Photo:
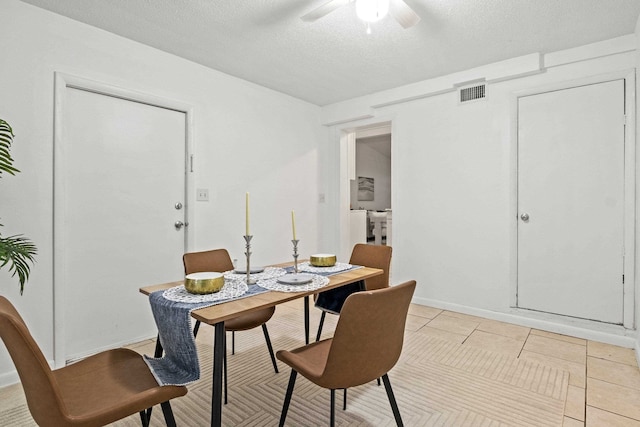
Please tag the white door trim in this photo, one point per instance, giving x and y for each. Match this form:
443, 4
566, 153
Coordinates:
370, 127
62, 82
629, 191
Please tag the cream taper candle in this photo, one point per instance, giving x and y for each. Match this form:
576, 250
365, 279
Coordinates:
247, 214
293, 224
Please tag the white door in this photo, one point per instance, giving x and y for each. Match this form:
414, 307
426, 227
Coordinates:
571, 176
123, 189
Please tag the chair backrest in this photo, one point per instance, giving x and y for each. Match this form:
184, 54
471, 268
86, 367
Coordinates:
369, 335
374, 256
217, 260
38, 381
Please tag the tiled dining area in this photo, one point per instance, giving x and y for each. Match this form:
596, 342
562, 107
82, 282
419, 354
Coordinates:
603, 386
604, 380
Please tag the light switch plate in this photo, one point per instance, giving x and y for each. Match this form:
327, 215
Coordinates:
202, 195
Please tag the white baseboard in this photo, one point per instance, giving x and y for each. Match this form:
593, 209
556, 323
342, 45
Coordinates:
590, 330
9, 378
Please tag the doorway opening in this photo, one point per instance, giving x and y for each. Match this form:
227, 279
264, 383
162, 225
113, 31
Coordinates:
369, 184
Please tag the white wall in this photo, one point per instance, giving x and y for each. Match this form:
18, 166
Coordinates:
247, 138
637, 302
453, 190
372, 164
454, 239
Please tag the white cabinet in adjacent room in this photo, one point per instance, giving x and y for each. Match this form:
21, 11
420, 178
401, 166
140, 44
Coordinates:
358, 226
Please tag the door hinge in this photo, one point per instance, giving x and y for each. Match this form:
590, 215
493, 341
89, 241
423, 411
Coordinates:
191, 163
623, 279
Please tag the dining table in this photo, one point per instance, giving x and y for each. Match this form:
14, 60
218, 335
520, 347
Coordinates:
216, 315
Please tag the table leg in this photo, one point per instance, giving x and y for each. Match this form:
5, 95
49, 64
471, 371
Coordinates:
219, 348
158, 351
157, 354
306, 319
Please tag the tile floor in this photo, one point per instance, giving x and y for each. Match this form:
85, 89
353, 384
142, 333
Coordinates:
604, 381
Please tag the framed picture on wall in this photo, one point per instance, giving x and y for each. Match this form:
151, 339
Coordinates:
365, 188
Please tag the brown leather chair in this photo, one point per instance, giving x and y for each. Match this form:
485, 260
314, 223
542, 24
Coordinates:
96, 391
374, 256
366, 344
218, 260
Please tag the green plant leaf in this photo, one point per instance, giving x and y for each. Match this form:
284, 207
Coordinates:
17, 252
6, 138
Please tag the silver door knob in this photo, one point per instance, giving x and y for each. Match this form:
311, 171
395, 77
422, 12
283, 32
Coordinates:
179, 225
524, 217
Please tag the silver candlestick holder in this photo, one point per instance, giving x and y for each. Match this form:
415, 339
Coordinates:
295, 255
247, 239
297, 278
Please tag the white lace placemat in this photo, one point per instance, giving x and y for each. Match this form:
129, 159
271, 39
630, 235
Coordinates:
268, 273
338, 267
231, 289
317, 282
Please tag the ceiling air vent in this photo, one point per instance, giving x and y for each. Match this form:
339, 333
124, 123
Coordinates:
472, 93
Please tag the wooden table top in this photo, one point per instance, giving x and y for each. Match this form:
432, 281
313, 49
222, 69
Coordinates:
228, 310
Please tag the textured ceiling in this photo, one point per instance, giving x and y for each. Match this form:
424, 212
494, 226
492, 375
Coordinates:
333, 59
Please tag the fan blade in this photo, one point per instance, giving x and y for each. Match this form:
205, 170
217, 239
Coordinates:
325, 9
403, 14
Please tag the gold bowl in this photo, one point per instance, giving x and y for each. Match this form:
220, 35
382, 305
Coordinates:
203, 283
323, 260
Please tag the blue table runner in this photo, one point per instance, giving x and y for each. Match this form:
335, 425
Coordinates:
180, 365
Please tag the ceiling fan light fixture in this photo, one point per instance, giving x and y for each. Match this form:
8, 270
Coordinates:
372, 10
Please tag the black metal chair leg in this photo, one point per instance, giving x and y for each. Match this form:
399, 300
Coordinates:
392, 400
322, 316
344, 400
378, 382
287, 397
148, 414
270, 347
233, 342
332, 417
168, 414
144, 419
196, 327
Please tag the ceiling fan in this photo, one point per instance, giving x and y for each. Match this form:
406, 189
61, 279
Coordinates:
369, 11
